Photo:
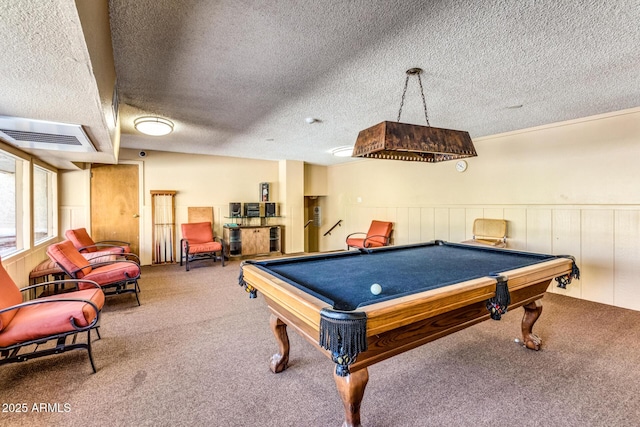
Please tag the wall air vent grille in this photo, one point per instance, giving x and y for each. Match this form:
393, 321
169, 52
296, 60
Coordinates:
43, 138
43, 135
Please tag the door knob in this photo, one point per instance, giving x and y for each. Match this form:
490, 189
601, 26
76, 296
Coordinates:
136, 216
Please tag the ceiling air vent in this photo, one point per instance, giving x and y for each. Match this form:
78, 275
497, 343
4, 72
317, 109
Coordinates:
43, 135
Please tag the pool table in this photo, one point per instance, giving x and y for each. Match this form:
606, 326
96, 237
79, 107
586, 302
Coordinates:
429, 290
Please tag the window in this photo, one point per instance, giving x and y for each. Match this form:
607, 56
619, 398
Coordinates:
17, 191
8, 204
43, 204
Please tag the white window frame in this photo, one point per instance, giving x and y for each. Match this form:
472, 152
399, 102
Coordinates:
24, 202
51, 179
21, 207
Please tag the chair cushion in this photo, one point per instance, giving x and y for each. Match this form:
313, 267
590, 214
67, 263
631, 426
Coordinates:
353, 241
43, 320
68, 257
199, 248
84, 243
10, 295
372, 243
45, 268
100, 256
115, 250
492, 228
486, 242
197, 232
80, 238
379, 231
112, 273
359, 243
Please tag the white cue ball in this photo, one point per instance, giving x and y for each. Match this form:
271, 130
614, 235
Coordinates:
376, 289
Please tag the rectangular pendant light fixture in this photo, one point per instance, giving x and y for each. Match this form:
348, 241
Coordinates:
403, 141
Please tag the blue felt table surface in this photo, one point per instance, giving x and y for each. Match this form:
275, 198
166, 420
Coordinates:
344, 279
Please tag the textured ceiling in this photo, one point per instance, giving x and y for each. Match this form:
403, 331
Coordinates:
239, 78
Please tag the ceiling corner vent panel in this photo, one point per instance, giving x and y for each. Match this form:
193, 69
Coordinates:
43, 135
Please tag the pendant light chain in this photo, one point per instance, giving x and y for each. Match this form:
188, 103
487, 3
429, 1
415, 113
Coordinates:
404, 92
410, 72
424, 101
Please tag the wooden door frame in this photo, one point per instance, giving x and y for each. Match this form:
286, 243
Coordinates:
141, 207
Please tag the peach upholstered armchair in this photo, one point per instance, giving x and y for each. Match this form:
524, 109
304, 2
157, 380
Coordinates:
27, 327
115, 277
379, 234
92, 250
198, 243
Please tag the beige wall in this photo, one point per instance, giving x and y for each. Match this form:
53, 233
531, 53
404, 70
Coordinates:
570, 188
201, 181
315, 180
291, 182
198, 179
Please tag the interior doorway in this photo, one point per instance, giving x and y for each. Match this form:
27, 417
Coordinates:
312, 223
115, 205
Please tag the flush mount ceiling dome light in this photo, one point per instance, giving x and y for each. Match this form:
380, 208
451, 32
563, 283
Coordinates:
154, 126
346, 151
402, 141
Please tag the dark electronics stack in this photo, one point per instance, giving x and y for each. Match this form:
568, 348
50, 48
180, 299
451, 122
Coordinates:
254, 210
271, 209
235, 209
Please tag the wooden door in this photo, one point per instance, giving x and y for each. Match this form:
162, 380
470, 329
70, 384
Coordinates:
115, 205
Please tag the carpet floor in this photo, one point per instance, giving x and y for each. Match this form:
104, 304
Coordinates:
196, 353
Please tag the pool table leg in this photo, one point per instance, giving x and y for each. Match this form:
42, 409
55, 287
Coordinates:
351, 390
531, 313
279, 360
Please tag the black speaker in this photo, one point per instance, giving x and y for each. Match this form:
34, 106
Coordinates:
271, 209
235, 209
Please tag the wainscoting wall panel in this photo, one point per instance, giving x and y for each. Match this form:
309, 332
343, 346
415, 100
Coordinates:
457, 224
598, 261
470, 216
566, 240
442, 224
427, 224
516, 227
539, 230
626, 292
605, 240
415, 223
400, 216
19, 265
